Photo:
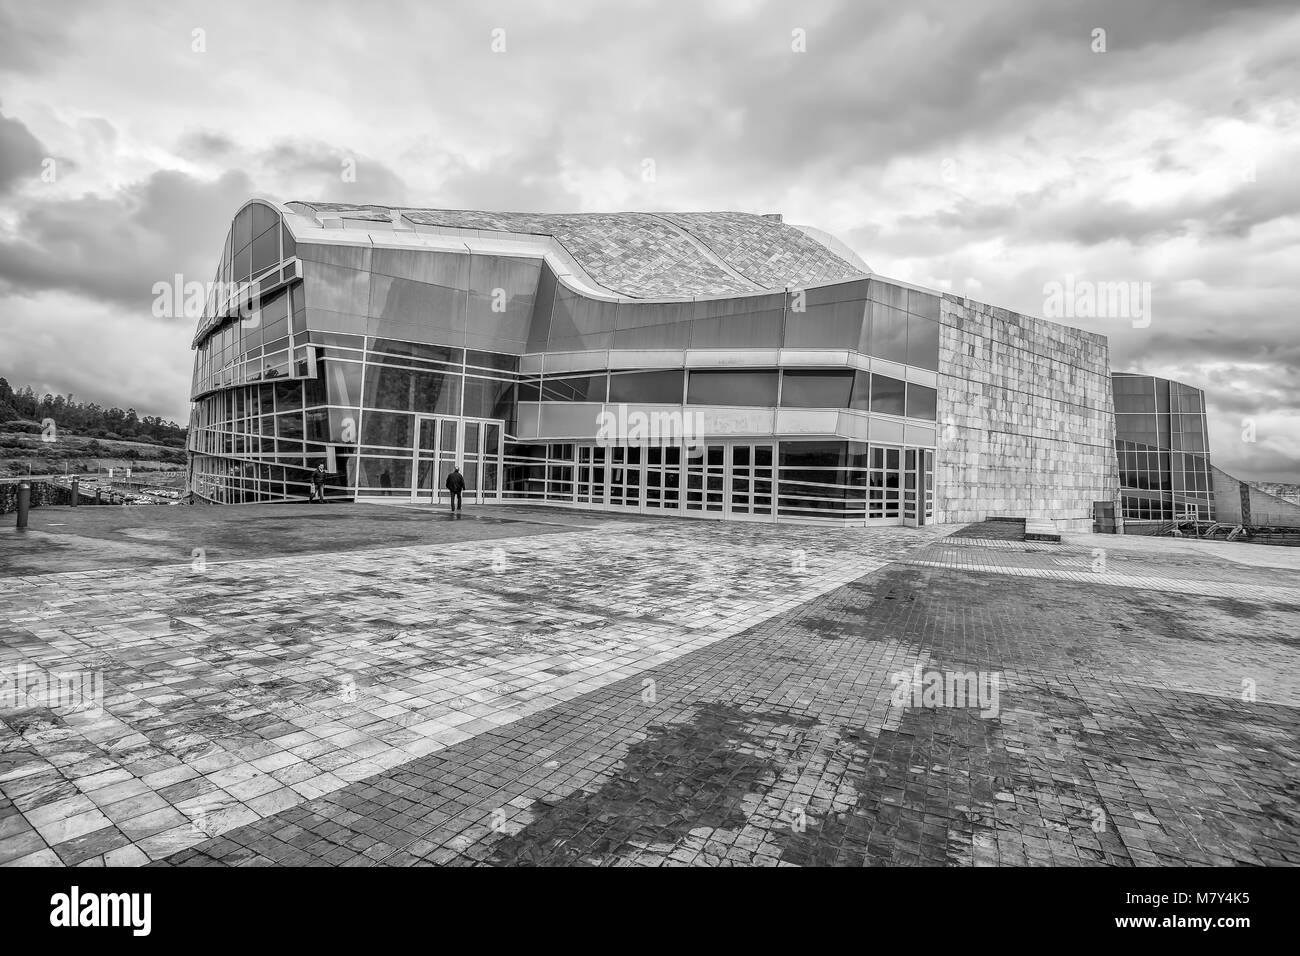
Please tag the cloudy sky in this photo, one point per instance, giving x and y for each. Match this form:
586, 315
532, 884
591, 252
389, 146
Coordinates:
984, 148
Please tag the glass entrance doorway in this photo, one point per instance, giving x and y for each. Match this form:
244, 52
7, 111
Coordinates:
706, 473
751, 482
918, 486
441, 444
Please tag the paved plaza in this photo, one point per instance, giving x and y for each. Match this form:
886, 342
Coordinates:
361, 685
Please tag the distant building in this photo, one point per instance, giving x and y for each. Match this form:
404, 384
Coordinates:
711, 365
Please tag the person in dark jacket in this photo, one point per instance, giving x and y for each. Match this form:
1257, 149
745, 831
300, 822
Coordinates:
455, 484
318, 484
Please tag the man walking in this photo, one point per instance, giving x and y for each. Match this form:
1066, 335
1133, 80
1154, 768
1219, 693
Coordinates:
455, 484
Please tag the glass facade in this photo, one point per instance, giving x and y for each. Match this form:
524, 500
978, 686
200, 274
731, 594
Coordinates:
743, 479
392, 366
1161, 440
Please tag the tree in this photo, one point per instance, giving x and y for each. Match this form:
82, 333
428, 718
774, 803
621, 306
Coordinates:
86, 418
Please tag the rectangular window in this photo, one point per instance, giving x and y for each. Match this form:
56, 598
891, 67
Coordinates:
288, 396
888, 395
650, 388
580, 388
921, 402
423, 353
266, 250
732, 387
387, 429
922, 343
492, 360
816, 388
813, 454
888, 333
834, 326
243, 264
1137, 428
861, 391
404, 389
488, 398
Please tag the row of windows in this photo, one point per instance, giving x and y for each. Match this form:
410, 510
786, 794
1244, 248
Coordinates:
1130, 422
798, 480
904, 329
822, 456
1145, 467
1164, 481
227, 482
1158, 507
251, 401
270, 344
390, 388
788, 388
1143, 393
842, 480
1179, 432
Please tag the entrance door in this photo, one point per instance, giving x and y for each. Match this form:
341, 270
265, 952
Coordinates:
927, 488
489, 480
884, 486
706, 467
589, 487
910, 489
625, 473
424, 476
437, 451
663, 466
750, 482
442, 444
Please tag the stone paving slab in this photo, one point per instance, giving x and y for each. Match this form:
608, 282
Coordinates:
661, 693
1124, 566
234, 691
1115, 743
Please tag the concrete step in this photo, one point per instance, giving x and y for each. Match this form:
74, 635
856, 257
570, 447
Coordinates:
1037, 529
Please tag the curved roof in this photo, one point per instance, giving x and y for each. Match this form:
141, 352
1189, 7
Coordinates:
650, 255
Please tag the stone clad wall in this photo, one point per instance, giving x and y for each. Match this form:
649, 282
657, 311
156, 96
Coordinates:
1026, 420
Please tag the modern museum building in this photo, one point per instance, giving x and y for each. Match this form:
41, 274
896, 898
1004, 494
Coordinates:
712, 365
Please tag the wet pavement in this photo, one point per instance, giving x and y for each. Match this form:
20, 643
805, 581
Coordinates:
664, 692
136, 536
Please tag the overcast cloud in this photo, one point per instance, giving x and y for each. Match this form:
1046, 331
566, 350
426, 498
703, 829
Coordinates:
982, 148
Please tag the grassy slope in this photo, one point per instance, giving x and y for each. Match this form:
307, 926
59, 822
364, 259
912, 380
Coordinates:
83, 454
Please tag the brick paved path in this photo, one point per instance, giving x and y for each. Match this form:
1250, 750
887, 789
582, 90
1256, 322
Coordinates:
1122, 738
660, 693
235, 691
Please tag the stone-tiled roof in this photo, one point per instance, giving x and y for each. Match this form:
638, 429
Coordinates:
766, 251
652, 255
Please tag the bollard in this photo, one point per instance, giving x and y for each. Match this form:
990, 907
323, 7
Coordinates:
75, 493
99, 497
24, 501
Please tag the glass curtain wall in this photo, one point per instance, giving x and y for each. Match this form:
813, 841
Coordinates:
1163, 449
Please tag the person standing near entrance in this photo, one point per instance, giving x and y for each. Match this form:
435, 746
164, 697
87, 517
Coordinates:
318, 484
456, 485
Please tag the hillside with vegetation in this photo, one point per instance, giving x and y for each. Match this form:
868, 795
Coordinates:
53, 434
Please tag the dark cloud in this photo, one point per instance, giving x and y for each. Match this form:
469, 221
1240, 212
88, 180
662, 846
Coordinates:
20, 154
1069, 161
116, 248
883, 79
